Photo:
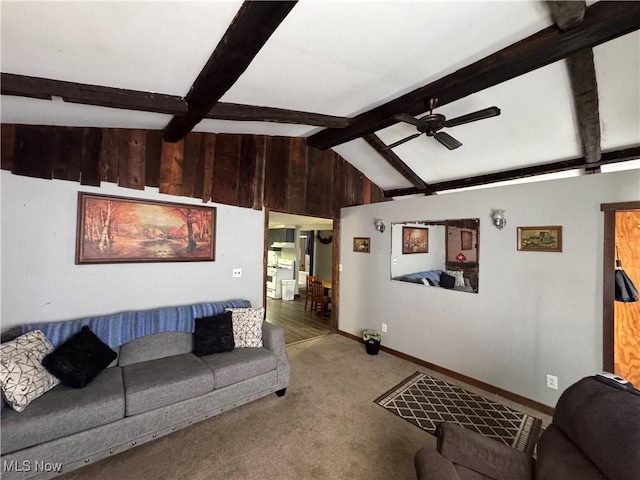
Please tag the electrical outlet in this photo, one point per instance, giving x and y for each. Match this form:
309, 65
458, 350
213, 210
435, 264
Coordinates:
340, 267
384, 328
552, 382
237, 272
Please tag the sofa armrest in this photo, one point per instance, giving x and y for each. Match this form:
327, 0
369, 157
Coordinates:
482, 454
430, 465
273, 340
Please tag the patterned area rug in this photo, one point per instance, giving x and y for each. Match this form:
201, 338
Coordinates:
426, 401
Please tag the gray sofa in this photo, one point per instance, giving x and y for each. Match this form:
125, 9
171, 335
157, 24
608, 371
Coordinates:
155, 386
595, 435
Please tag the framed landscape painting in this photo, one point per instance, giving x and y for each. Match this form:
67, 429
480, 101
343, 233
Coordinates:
415, 240
119, 230
362, 244
540, 239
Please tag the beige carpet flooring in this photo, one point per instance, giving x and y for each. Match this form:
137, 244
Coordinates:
325, 427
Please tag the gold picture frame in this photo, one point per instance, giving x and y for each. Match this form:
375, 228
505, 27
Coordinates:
123, 230
540, 239
362, 244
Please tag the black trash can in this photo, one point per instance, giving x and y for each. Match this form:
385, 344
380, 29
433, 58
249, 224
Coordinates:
373, 346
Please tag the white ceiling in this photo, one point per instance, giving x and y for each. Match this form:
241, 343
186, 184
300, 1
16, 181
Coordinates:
332, 57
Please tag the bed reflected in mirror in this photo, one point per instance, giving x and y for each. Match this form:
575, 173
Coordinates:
436, 253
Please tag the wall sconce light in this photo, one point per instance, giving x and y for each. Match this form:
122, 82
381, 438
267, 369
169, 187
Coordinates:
498, 219
380, 225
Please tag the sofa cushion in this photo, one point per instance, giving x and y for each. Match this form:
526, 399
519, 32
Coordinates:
63, 411
154, 384
559, 457
240, 364
152, 347
22, 376
602, 422
213, 335
80, 359
247, 326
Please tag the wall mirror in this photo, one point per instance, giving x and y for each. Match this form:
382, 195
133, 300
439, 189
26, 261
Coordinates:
436, 253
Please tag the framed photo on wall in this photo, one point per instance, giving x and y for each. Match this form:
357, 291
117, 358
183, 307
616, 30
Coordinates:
415, 240
121, 230
362, 244
540, 239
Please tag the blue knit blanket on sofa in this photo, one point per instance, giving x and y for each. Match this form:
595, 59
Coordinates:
120, 328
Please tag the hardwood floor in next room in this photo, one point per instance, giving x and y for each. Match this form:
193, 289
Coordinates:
298, 324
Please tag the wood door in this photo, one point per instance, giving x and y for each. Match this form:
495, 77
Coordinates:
620, 321
627, 315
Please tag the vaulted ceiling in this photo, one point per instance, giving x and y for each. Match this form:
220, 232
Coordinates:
565, 76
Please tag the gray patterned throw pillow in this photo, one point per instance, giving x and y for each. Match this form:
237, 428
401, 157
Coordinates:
22, 376
247, 326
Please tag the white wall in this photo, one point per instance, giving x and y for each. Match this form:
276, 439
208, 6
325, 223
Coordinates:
40, 281
323, 255
535, 313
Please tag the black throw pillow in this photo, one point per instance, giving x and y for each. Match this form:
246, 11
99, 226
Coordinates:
213, 335
447, 281
80, 359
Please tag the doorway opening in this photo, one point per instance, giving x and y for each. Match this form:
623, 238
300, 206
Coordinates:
298, 249
621, 330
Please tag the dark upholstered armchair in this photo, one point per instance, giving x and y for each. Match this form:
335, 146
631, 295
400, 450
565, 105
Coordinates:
595, 435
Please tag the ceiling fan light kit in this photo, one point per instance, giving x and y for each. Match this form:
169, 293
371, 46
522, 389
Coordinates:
432, 123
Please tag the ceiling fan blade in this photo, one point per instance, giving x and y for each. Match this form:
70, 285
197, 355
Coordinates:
447, 140
472, 117
400, 142
406, 118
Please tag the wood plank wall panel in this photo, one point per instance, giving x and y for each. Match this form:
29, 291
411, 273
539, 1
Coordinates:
297, 175
66, 154
252, 171
225, 169
275, 175
153, 153
198, 184
338, 185
192, 155
131, 160
171, 158
249, 145
258, 185
90, 165
110, 155
208, 152
320, 183
32, 154
8, 146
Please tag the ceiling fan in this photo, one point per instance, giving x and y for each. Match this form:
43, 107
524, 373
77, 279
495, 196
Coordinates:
432, 123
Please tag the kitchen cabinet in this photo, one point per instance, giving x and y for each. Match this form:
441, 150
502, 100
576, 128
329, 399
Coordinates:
280, 236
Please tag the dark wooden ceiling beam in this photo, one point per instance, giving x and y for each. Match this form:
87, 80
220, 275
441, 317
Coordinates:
234, 111
567, 14
252, 26
582, 75
46, 89
395, 161
603, 21
616, 156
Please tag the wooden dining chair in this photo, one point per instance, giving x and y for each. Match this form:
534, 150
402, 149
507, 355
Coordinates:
307, 295
319, 300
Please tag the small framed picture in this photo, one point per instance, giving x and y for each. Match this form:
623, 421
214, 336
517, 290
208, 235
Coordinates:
362, 244
415, 240
540, 239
